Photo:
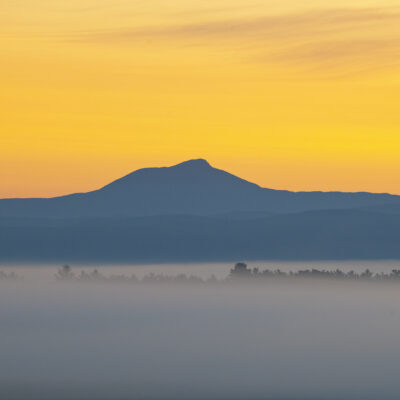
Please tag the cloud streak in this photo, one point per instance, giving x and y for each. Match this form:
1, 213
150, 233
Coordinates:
338, 38
282, 26
349, 55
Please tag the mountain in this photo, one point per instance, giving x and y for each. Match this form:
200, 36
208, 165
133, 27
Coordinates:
193, 187
311, 235
194, 212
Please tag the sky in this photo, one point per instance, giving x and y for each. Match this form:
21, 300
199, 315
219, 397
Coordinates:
287, 94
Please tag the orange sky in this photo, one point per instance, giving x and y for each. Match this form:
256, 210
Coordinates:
288, 94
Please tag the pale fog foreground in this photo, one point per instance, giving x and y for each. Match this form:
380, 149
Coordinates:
302, 339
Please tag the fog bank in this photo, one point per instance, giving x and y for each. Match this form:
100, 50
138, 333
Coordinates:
275, 341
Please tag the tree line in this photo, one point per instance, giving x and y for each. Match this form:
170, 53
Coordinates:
240, 272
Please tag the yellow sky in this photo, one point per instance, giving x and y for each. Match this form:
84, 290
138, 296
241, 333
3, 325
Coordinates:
288, 94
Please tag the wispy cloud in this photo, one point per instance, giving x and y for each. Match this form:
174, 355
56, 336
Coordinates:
341, 56
279, 26
335, 37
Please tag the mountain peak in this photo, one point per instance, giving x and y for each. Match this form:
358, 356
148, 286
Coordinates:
194, 163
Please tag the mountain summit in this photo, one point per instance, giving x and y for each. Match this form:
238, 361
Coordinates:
178, 180
192, 187
195, 163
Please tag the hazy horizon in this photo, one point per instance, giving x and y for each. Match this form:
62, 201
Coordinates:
46, 270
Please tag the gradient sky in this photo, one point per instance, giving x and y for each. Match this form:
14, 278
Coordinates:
288, 94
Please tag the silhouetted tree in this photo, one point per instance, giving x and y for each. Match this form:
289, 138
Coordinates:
240, 270
367, 274
65, 273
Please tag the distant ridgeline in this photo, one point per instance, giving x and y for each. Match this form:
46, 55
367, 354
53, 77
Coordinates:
194, 212
239, 273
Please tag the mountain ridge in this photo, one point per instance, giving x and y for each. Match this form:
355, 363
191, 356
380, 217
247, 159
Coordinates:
309, 235
191, 187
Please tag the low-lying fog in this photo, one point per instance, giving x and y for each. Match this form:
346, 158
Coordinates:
203, 270
296, 340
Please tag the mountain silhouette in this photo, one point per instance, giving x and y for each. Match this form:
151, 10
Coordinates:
311, 235
192, 187
195, 212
